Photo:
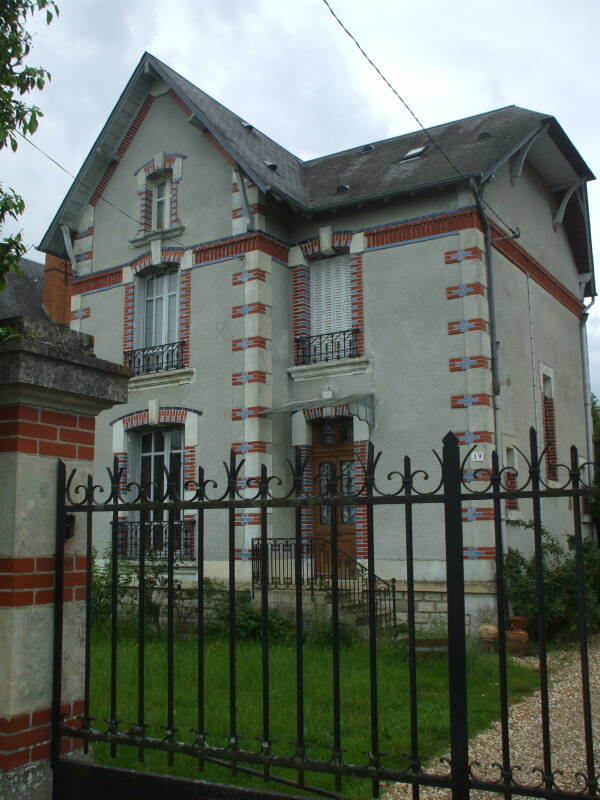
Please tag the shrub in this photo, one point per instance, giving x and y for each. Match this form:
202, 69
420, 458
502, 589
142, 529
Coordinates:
559, 581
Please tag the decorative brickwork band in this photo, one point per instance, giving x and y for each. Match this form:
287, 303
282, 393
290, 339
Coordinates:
248, 308
189, 463
474, 437
247, 518
26, 429
30, 581
25, 738
238, 245
247, 413
248, 275
185, 290
80, 313
249, 342
93, 282
255, 208
311, 248
340, 240
468, 362
464, 290
479, 553
168, 415
510, 481
550, 438
422, 228
357, 300
145, 198
467, 325
128, 317
360, 512
254, 376
301, 300
477, 514
456, 256
243, 448
468, 400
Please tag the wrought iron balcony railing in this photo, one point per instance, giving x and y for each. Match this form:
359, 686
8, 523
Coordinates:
159, 358
326, 347
155, 539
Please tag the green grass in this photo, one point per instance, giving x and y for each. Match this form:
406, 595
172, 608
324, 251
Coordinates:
355, 709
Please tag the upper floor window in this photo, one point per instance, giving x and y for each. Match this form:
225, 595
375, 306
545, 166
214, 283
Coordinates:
332, 335
157, 343
160, 197
160, 309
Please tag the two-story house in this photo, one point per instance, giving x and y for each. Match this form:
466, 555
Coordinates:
265, 303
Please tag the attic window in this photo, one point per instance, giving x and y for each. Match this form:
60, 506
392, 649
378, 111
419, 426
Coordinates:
249, 126
343, 187
270, 164
483, 135
368, 148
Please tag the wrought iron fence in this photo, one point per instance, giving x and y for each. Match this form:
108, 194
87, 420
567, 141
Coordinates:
405, 490
153, 537
316, 556
159, 358
326, 347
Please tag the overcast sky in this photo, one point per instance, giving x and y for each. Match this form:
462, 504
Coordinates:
287, 67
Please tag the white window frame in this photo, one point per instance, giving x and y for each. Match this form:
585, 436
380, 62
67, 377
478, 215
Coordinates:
330, 295
135, 454
170, 300
162, 204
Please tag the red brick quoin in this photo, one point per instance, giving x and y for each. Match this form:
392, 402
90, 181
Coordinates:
26, 429
25, 738
30, 581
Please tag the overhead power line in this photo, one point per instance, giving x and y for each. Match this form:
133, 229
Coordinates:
85, 186
433, 141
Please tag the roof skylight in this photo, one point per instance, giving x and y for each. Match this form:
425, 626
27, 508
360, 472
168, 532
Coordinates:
414, 152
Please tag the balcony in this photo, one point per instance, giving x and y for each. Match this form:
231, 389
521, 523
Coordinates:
326, 347
159, 358
155, 538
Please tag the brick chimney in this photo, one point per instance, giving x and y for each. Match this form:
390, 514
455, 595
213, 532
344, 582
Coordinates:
56, 295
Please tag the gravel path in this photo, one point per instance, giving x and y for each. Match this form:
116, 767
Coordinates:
566, 728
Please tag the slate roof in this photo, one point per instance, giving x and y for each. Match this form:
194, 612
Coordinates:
476, 146
23, 295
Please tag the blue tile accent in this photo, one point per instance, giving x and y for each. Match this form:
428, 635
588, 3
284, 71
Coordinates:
465, 326
465, 363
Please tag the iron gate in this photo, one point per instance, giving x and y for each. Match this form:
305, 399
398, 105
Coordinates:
273, 761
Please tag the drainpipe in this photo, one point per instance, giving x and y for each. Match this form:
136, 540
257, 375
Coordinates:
587, 400
487, 234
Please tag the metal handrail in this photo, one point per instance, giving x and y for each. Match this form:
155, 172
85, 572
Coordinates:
315, 555
158, 358
326, 346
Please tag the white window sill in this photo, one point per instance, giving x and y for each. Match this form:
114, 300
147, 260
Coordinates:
172, 377
146, 238
325, 369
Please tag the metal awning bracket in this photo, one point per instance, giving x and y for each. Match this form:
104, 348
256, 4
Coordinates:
518, 160
569, 192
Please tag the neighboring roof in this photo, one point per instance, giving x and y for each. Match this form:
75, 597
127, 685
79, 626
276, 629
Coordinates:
472, 147
23, 295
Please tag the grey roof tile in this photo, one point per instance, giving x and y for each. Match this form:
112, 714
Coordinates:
23, 295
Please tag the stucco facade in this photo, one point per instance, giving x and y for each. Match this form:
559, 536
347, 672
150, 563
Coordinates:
421, 360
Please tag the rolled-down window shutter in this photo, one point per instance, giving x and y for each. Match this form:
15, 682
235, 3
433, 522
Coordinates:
330, 300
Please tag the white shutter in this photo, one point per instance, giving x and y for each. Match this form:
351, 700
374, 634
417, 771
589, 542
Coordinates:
330, 298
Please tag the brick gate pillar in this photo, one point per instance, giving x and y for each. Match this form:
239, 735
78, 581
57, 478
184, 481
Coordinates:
52, 386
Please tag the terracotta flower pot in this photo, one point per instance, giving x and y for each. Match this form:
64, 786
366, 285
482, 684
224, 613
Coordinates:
517, 638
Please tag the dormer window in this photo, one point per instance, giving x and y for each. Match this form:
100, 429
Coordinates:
160, 195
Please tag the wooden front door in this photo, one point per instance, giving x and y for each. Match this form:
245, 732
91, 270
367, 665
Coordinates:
333, 458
